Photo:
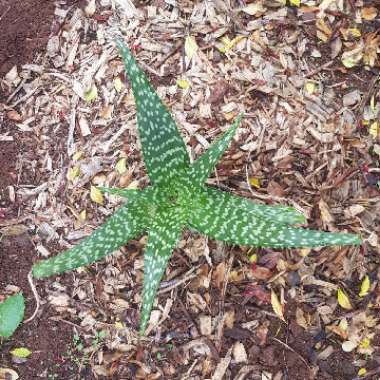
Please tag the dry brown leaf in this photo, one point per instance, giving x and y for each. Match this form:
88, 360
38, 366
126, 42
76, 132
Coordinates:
277, 307
219, 274
369, 13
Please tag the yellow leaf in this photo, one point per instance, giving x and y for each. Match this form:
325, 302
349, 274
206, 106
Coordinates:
73, 173
229, 44
83, 215
296, 3
21, 352
355, 32
276, 305
121, 166
118, 84
365, 343
310, 87
364, 287
190, 46
304, 252
183, 83
374, 129
255, 182
350, 62
253, 258
91, 94
77, 156
372, 103
362, 371
96, 195
343, 300
119, 325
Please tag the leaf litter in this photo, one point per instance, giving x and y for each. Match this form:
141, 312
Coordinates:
309, 137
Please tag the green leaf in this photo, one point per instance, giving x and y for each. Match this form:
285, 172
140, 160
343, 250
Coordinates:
125, 193
218, 217
278, 214
163, 236
21, 352
126, 223
163, 148
11, 314
203, 166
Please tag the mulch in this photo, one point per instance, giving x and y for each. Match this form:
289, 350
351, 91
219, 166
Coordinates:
308, 139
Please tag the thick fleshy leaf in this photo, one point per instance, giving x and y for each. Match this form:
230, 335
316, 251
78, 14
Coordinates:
274, 213
205, 164
219, 218
125, 193
126, 223
163, 148
11, 314
163, 235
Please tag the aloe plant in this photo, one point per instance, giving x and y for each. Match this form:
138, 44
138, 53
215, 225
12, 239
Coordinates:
178, 198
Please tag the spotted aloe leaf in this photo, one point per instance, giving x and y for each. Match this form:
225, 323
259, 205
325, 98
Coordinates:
179, 198
163, 148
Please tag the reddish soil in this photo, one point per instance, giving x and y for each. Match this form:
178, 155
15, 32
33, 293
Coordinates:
24, 29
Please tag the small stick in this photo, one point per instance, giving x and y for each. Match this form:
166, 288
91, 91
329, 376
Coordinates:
36, 297
294, 351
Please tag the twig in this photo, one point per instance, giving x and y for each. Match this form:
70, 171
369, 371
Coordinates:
6, 11
319, 69
291, 349
174, 284
36, 297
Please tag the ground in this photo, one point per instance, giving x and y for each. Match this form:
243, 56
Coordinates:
306, 78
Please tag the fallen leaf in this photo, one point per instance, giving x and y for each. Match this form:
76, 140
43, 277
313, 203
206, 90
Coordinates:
362, 371
369, 13
254, 9
343, 300
300, 318
118, 84
14, 116
365, 286
96, 195
90, 8
261, 273
310, 87
239, 353
21, 352
121, 166
255, 182
73, 173
183, 83
8, 374
374, 129
91, 94
277, 307
190, 47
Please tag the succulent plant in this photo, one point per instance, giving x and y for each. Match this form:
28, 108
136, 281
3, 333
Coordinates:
178, 198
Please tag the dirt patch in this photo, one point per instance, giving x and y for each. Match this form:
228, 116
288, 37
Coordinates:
47, 339
24, 29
